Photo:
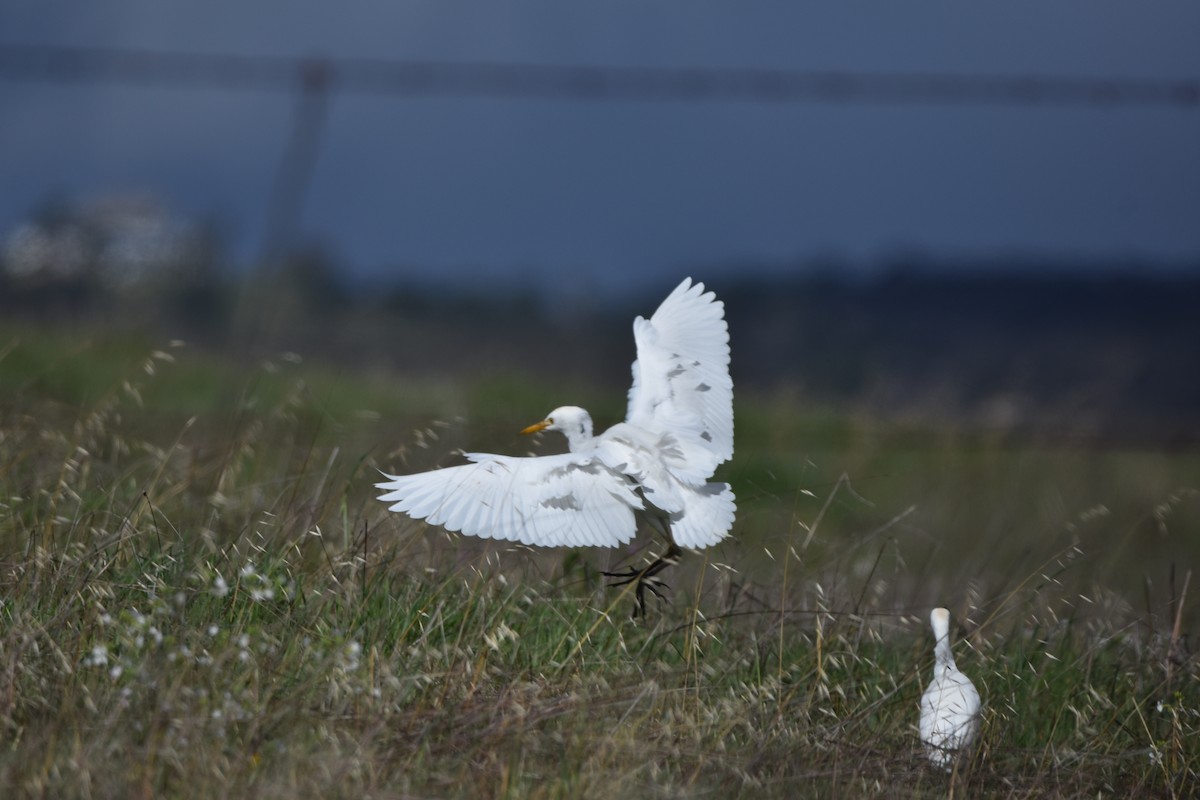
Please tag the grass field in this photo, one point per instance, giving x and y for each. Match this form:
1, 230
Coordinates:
200, 596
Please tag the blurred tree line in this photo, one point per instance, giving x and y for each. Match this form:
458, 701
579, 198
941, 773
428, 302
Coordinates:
1076, 351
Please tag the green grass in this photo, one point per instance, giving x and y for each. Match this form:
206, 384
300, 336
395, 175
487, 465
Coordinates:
199, 596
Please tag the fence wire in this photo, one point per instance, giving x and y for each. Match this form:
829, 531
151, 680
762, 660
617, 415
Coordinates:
416, 78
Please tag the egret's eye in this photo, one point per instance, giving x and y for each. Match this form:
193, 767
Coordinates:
550, 420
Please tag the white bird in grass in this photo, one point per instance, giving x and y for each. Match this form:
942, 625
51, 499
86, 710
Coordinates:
950, 707
654, 465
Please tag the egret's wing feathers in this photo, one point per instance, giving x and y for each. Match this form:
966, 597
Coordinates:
950, 710
569, 499
681, 381
706, 518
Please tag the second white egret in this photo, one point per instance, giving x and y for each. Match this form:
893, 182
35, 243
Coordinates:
655, 465
950, 707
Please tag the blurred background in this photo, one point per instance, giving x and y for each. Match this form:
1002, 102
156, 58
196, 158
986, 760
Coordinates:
981, 215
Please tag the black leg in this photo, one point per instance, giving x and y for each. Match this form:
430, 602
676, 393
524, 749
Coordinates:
646, 578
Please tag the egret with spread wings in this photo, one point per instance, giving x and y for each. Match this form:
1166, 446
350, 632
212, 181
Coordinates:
655, 465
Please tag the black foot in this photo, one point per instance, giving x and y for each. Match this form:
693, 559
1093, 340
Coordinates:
646, 579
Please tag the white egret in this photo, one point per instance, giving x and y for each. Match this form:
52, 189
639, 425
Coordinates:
655, 465
950, 707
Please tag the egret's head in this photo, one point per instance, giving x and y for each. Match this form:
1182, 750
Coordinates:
939, 620
573, 421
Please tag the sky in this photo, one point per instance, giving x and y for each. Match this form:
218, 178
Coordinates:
611, 194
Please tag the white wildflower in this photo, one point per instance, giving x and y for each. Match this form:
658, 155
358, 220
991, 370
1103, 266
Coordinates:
99, 656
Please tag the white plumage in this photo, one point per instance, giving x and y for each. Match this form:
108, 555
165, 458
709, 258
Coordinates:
677, 430
950, 707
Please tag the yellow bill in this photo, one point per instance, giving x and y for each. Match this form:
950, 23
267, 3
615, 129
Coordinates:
537, 426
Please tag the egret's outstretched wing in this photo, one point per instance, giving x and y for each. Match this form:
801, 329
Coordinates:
681, 381
569, 499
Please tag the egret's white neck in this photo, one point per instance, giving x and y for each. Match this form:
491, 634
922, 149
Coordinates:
940, 622
579, 437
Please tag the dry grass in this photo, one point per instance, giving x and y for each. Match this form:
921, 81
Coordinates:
210, 603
